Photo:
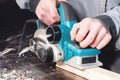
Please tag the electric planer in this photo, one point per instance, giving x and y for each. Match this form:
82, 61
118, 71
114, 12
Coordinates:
53, 43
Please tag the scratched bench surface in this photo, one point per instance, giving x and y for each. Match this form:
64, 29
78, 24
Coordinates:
27, 67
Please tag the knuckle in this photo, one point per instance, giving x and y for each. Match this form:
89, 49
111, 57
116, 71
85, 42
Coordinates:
54, 15
88, 20
52, 21
48, 23
42, 6
75, 26
97, 23
79, 37
85, 43
82, 45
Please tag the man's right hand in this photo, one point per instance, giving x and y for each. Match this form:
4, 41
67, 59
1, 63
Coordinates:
91, 32
47, 12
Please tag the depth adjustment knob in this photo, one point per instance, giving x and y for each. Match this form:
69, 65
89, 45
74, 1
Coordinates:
54, 34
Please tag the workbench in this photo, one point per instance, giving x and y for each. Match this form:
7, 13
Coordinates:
29, 67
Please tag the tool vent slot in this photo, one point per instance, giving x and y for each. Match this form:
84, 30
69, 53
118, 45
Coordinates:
89, 60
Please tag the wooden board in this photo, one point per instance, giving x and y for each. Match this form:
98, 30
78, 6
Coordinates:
95, 73
70, 75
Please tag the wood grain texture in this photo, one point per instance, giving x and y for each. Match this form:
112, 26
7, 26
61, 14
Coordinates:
95, 73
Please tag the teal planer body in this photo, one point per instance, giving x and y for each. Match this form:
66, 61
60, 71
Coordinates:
57, 45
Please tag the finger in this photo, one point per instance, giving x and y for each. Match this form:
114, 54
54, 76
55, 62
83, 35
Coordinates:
41, 13
74, 31
55, 15
94, 30
104, 41
99, 37
46, 21
53, 11
84, 29
82, 32
42, 17
50, 19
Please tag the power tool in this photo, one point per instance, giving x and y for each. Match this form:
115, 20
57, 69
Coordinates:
54, 44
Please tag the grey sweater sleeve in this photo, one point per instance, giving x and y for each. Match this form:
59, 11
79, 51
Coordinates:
33, 4
23, 4
111, 19
27, 4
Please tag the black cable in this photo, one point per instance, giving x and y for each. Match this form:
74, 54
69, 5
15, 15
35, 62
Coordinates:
23, 31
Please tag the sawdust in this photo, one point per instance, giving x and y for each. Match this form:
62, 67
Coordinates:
15, 75
27, 67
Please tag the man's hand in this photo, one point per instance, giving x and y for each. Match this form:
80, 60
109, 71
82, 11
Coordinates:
91, 32
47, 12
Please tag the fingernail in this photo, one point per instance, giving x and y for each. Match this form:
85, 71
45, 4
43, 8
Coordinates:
98, 47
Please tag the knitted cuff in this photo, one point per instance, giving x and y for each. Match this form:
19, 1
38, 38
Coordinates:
109, 24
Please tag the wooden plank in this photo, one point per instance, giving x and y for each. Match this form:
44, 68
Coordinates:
70, 75
95, 73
